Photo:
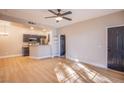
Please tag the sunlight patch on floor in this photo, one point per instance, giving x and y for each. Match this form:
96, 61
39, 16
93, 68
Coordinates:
77, 72
93, 75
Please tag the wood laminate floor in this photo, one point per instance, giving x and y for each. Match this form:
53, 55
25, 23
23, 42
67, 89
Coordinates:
53, 70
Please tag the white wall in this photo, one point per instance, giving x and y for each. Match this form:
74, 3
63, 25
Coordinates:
11, 45
55, 43
87, 41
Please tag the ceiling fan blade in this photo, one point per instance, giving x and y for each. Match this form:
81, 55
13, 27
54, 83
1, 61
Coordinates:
51, 17
66, 13
52, 12
67, 18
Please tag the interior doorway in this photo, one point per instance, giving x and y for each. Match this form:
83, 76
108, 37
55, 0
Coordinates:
62, 45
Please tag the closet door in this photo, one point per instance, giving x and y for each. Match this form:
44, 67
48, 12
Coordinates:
116, 48
112, 48
120, 56
62, 45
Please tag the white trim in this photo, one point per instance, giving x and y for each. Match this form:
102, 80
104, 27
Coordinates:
8, 56
78, 60
40, 57
98, 65
114, 26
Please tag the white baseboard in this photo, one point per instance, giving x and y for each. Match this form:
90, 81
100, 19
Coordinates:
98, 65
8, 56
94, 64
40, 57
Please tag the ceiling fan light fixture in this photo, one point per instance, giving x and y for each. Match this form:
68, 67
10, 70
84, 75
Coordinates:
58, 15
59, 18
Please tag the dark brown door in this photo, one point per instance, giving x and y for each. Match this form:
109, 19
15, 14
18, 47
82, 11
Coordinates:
116, 48
62, 45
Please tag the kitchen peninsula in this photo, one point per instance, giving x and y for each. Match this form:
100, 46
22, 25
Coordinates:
40, 51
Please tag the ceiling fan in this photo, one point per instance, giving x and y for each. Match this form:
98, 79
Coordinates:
59, 15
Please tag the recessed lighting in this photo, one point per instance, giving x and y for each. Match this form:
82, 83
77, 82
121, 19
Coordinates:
31, 28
